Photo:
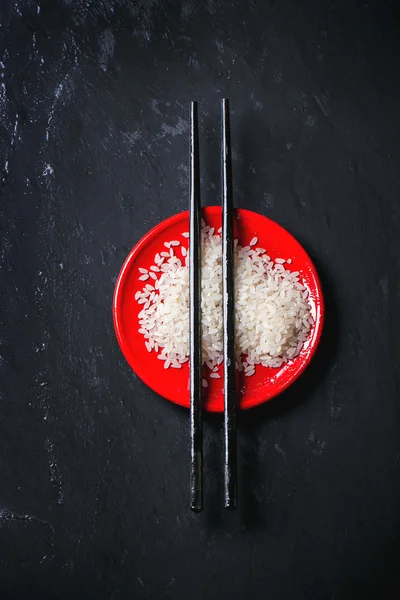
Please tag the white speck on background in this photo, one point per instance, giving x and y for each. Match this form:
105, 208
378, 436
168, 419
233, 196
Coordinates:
38, 9
48, 170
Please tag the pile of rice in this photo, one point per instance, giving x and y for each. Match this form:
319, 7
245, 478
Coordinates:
273, 316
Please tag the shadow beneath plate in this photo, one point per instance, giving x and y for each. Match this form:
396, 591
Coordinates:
253, 508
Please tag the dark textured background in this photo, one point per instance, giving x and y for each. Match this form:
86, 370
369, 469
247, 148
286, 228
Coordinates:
93, 152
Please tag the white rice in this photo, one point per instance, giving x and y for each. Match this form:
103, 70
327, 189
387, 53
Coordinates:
273, 317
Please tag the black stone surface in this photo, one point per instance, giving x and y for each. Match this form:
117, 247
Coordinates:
94, 151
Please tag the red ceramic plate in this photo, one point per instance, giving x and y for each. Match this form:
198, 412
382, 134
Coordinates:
173, 384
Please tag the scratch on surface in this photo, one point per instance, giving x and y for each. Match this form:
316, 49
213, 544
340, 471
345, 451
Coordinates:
55, 475
42, 346
46, 558
280, 450
14, 135
62, 89
179, 129
57, 95
131, 137
15, 130
154, 106
3, 94
4, 101
7, 515
183, 175
107, 47
322, 104
75, 48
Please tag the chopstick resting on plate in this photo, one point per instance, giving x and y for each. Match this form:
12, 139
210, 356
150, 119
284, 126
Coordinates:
196, 425
228, 303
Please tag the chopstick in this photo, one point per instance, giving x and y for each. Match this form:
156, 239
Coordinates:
196, 425
228, 301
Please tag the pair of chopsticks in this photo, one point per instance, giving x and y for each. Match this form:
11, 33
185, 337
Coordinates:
196, 425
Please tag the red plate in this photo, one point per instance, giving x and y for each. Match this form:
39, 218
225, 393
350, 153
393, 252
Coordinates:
173, 384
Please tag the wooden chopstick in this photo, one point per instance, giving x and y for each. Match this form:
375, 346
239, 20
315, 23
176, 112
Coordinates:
228, 300
196, 425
